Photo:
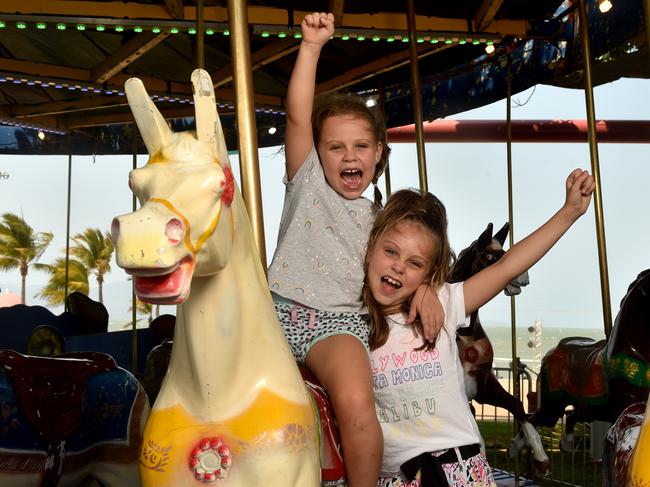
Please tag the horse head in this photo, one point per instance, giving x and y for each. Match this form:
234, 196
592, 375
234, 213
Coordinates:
185, 191
483, 252
631, 331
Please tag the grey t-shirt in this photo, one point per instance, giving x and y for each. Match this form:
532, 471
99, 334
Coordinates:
318, 260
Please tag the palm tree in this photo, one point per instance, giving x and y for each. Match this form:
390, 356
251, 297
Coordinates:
94, 250
143, 309
54, 292
21, 247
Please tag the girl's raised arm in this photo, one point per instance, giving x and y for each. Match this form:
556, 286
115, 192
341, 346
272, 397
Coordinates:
317, 28
483, 286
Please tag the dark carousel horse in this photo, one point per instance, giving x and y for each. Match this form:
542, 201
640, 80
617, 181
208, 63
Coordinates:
620, 441
599, 378
475, 349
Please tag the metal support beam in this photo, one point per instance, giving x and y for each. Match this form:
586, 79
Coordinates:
525, 131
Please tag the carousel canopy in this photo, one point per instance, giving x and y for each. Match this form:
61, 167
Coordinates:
63, 63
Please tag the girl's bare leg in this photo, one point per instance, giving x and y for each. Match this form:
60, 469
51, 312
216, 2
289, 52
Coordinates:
342, 366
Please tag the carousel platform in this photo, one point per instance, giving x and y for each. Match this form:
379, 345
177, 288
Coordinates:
507, 479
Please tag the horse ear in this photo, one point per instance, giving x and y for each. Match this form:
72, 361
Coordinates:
153, 128
486, 237
501, 235
208, 125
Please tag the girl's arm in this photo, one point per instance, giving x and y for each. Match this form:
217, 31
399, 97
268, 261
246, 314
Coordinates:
483, 286
317, 28
427, 306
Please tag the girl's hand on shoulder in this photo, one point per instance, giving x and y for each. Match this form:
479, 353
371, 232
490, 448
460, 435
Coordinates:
317, 28
427, 306
579, 187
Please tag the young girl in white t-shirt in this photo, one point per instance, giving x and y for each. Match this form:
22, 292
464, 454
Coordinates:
430, 435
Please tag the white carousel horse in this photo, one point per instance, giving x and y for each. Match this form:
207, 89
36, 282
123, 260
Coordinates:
232, 409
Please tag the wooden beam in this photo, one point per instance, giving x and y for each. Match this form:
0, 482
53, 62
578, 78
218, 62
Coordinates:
76, 75
376, 67
125, 55
68, 106
337, 7
486, 13
268, 54
175, 8
271, 16
90, 120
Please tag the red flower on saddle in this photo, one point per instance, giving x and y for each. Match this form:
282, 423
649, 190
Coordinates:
229, 186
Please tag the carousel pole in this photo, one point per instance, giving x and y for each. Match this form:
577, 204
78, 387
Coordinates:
134, 301
381, 100
417, 96
595, 167
646, 5
200, 39
246, 125
511, 240
67, 236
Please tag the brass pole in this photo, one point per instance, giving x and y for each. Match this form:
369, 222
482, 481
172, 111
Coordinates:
134, 301
67, 235
417, 96
381, 101
200, 38
647, 24
511, 239
595, 167
246, 126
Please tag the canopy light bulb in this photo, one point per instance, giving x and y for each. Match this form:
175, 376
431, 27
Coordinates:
604, 5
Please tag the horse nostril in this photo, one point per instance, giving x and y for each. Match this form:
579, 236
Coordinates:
115, 230
174, 231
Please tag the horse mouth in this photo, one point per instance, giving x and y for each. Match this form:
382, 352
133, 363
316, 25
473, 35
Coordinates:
164, 286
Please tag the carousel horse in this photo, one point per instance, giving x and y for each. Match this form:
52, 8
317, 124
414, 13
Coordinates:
599, 378
232, 409
639, 467
69, 421
619, 445
475, 349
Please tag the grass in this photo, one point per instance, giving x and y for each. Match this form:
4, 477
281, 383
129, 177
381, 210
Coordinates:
570, 468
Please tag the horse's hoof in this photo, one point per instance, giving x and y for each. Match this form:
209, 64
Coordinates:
542, 468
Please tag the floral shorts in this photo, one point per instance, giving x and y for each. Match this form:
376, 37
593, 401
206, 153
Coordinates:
473, 472
304, 327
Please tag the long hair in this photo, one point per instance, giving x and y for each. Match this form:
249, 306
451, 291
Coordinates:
423, 209
333, 104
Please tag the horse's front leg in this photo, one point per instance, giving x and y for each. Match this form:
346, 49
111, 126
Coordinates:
490, 391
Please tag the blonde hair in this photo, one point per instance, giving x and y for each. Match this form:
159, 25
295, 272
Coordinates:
334, 104
423, 209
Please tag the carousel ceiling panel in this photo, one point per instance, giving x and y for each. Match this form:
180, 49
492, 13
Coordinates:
63, 63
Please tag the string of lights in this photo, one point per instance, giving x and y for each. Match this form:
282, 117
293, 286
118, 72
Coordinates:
23, 22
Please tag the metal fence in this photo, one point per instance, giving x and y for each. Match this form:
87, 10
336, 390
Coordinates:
581, 466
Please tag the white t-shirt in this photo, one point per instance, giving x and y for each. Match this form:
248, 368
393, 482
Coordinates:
420, 395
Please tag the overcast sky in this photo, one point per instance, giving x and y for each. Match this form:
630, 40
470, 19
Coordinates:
471, 180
